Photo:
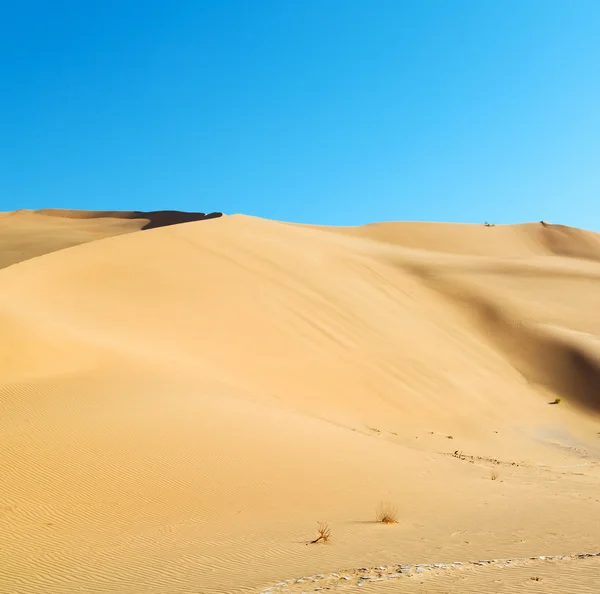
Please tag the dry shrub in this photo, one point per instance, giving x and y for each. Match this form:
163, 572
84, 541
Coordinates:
387, 513
324, 533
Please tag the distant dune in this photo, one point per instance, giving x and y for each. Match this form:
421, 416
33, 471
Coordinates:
181, 406
26, 234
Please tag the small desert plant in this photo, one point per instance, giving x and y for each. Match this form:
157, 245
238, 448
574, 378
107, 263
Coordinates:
557, 401
324, 533
494, 475
387, 513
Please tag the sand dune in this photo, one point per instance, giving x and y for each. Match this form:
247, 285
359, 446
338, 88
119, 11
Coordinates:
26, 234
180, 406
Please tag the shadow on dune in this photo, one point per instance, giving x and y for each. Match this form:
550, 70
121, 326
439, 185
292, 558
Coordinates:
565, 364
156, 219
164, 218
573, 372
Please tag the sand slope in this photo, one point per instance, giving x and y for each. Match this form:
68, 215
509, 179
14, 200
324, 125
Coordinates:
180, 406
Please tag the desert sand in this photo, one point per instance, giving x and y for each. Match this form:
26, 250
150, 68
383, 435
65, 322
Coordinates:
182, 402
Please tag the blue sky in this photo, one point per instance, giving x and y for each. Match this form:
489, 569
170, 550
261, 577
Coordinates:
322, 111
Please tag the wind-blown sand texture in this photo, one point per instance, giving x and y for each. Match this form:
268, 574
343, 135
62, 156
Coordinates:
180, 405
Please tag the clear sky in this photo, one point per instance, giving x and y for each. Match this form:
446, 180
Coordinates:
323, 111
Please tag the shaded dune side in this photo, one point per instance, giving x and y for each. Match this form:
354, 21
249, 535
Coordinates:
563, 361
148, 220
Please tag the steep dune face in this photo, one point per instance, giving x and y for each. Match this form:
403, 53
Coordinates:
27, 234
181, 405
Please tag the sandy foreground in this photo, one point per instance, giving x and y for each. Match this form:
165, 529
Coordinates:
180, 405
